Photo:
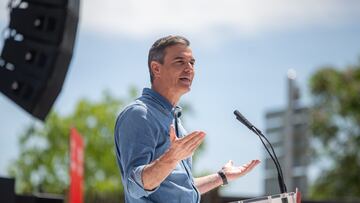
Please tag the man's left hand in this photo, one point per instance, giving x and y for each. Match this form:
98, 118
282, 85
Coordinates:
233, 172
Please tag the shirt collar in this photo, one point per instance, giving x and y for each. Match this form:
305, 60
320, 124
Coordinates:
159, 98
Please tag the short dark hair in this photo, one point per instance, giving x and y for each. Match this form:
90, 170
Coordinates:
157, 50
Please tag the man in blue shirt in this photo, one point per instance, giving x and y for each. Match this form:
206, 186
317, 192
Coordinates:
153, 149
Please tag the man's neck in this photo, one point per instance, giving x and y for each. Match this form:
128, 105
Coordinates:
167, 93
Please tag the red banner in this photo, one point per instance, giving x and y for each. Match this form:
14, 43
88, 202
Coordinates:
76, 167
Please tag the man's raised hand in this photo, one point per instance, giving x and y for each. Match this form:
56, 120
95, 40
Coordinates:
182, 148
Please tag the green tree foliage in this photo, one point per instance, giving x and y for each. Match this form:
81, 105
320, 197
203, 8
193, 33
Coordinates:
336, 128
43, 162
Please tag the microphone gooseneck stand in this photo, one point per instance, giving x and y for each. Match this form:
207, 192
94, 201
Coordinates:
273, 156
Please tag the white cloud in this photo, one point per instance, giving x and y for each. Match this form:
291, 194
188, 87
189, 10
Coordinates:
141, 18
207, 18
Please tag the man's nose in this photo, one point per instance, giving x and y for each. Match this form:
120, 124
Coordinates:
189, 67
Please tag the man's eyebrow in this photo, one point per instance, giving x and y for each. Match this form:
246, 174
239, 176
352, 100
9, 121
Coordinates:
180, 58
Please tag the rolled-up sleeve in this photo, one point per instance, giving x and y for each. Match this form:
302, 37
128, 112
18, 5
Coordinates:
135, 145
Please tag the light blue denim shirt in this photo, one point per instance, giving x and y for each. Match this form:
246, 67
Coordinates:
141, 136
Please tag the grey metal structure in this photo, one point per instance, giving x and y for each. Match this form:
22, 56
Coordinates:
288, 131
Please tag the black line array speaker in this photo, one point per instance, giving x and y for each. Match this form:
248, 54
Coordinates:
8, 195
7, 190
37, 51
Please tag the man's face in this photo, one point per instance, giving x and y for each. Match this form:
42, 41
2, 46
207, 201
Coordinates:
177, 71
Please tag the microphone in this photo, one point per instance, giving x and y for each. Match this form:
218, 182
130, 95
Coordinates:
273, 156
247, 123
177, 114
243, 120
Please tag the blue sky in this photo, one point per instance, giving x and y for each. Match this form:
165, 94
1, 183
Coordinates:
243, 50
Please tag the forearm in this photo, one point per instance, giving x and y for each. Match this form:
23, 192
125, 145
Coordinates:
156, 172
207, 183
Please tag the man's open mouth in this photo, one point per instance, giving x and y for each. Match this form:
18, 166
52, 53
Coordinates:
185, 79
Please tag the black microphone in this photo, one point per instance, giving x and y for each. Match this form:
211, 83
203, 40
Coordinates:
247, 123
177, 114
243, 120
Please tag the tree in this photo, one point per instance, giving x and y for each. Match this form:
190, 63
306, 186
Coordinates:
43, 162
336, 130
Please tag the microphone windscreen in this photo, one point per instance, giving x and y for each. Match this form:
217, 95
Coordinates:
242, 119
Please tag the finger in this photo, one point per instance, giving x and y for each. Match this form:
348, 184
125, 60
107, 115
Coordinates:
192, 135
256, 162
172, 134
246, 167
194, 145
193, 148
249, 164
189, 148
229, 163
195, 141
252, 165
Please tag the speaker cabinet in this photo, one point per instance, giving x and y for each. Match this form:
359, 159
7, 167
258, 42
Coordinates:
37, 52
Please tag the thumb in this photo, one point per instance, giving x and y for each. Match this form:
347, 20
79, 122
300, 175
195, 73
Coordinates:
229, 163
172, 133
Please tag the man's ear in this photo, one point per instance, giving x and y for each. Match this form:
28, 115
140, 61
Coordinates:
155, 68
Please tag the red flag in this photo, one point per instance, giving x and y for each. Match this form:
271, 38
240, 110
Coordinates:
76, 167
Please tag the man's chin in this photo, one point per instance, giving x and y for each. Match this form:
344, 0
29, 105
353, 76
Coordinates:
185, 89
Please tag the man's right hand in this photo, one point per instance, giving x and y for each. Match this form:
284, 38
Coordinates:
182, 148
